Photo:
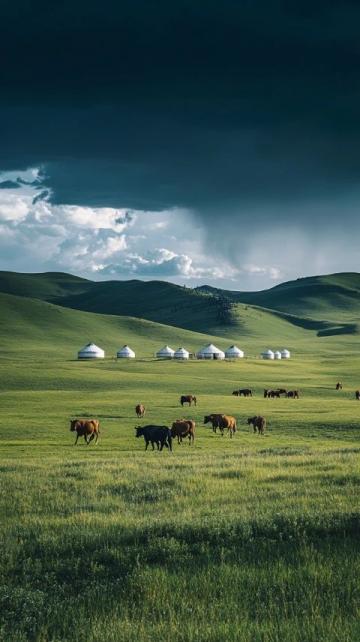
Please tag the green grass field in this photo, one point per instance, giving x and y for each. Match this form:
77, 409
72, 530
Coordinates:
250, 539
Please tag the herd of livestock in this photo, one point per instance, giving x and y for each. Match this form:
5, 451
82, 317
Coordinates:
160, 436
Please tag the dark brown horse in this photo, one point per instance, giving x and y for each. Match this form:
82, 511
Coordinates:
294, 394
357, 395
258, 423
188, 399
338, 386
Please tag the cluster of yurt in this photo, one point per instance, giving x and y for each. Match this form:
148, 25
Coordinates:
210, 351
92, 351
168, 353
277, 355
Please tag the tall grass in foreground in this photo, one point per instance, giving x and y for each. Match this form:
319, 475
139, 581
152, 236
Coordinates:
249, 539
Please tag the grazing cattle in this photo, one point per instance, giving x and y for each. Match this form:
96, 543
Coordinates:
87, 428
258, 423
357, 395
245, 392
222, 422
294, 394
182, 428
188, 399
159, 435
140, 410
271, 394
338, 386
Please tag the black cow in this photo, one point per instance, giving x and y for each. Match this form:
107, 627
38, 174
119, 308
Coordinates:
159, 435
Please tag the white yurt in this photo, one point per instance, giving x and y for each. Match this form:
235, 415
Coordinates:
165, 353
91, 351
233, 352
210, 352
277, 354
285, 354
267, 354
181, 353
125, 353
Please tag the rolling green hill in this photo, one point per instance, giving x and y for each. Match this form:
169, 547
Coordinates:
326, 305
334, 296
47, 286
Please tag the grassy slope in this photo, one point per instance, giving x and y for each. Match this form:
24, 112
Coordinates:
249, 539
328, 304
334, 297
47, 286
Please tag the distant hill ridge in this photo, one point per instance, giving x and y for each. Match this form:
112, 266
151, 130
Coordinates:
328, 304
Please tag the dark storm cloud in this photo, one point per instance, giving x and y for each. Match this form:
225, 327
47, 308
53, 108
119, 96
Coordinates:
232, 107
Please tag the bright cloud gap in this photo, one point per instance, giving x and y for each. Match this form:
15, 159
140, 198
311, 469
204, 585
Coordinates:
37, 235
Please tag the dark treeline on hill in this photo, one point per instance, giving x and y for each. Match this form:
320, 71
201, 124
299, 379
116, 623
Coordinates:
328, 304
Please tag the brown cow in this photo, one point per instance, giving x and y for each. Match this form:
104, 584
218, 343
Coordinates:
188, 399
182, 428
222, 422
258, 423
87, 428
228, 422
357, 395
338, 386
140, 410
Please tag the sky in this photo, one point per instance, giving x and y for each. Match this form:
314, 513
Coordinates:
196, 142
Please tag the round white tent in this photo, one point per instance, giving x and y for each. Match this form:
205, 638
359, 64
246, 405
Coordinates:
277, 354
165, 353
233, 352
285, 354
181, 353
91, 351
267, 354
125, 353
210, 352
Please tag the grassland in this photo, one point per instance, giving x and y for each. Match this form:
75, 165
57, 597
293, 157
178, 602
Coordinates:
250, 539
